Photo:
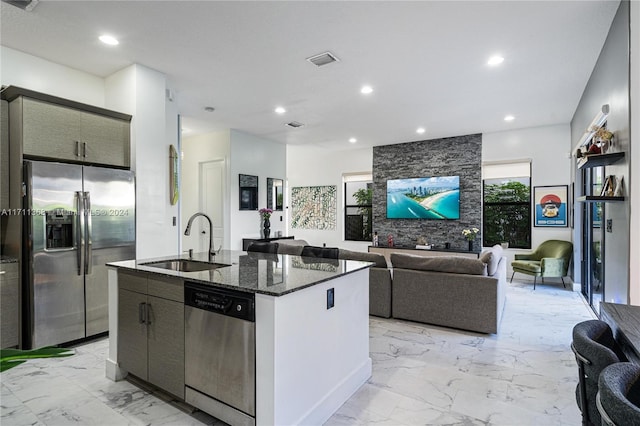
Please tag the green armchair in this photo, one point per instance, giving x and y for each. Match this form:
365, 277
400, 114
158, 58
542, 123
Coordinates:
550, 259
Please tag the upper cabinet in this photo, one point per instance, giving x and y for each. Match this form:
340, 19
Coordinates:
54, 128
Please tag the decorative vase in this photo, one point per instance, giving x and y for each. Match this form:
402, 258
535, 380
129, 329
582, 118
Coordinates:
266, 228
470, 245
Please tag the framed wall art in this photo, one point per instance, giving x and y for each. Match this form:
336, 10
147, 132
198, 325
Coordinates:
551, 206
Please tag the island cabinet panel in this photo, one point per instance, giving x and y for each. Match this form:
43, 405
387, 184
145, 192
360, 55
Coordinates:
151, 329
62, 133
9, 305
166, 345
132, 333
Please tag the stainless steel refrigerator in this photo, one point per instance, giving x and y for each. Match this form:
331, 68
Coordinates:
77, 218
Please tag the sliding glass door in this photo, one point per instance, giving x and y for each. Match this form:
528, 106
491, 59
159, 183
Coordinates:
593, 240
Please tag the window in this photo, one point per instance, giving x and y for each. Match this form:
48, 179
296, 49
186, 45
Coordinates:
506, 204
358, 212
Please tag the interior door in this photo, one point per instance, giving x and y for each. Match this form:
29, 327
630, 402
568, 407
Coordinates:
212, 188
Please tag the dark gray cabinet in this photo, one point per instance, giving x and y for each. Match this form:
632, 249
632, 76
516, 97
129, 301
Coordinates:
53, 131
4, 155
151, 329
9, 305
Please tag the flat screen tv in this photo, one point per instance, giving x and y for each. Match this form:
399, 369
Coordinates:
424, 198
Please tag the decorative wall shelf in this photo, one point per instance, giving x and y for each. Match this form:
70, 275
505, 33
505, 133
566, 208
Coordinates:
597, 160
597, 199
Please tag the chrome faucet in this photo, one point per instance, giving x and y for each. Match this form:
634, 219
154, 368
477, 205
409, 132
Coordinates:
188, 231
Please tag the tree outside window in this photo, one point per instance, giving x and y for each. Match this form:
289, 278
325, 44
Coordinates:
507, 212
358, 220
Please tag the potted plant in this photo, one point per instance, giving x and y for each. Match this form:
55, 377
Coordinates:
470, 235
265, 213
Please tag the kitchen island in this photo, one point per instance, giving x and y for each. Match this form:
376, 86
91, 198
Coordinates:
311, 338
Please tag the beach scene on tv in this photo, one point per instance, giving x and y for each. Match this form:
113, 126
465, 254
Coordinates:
424, 198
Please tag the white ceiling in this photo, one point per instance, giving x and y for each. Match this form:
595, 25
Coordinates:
426, 61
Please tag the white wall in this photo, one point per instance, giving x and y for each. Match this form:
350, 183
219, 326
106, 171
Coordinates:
548, 148
138, 91
196, 150
252, 155
33, 73
315, 166
634, 173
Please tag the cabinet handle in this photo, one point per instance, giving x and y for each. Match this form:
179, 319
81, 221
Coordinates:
148, 314
77, 148
141, 312
84, 149
3, 272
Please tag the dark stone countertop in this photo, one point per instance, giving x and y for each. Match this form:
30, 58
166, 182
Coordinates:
274, 275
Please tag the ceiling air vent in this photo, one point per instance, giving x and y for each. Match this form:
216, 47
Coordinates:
27, 5
295, 124
323, 59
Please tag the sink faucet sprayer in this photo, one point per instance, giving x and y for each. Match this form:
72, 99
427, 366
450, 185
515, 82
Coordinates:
188, 231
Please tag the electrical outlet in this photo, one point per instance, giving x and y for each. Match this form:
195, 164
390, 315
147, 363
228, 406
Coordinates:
330, 298
609, 225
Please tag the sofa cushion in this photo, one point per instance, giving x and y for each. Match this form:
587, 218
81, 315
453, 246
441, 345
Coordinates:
376, 258
492, 257
453, 264
531, 266
293, 247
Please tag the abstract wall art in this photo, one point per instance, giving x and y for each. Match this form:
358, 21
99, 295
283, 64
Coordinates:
314, 207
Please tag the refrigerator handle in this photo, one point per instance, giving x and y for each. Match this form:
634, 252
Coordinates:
88, 255
80, 231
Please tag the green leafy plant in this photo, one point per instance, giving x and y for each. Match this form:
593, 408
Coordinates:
10, 358
364, 197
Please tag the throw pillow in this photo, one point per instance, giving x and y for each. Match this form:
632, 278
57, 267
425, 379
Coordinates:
491, 257
453, 264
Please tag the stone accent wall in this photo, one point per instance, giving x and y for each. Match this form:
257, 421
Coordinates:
455, 156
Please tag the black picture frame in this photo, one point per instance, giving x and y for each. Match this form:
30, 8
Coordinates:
248, 194
551, 206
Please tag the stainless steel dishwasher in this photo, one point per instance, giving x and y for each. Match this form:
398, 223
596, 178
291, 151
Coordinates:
220, 355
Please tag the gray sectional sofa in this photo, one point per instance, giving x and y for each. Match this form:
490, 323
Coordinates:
450, 291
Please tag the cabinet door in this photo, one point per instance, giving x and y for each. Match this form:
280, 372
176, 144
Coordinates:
49, 130
105, 140
132, 333
166, 345
4, 155
9, 305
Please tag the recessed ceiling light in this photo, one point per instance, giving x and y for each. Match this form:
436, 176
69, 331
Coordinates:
209, 109
280, 110
110, 40
366, 90
495, 60
353, 140
509, 118
420, 130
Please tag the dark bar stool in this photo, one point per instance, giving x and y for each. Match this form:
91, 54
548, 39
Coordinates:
618, 398
595, 348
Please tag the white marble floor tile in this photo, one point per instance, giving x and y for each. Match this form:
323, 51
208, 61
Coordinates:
422, 375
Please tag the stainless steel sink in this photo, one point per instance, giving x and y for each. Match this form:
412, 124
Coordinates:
184, 265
